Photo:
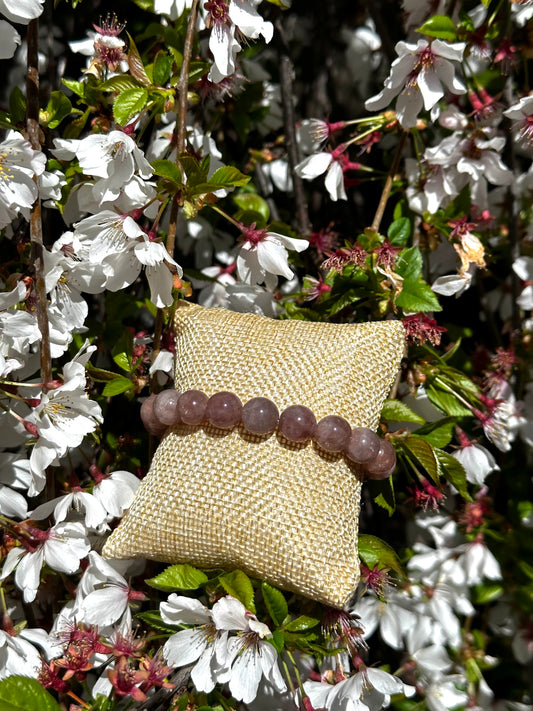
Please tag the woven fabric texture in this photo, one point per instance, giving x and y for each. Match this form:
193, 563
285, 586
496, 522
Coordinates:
284, 513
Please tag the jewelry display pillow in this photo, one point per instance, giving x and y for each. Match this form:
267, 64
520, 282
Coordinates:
282, 512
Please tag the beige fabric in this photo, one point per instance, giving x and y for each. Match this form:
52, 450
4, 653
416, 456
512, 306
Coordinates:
283, 513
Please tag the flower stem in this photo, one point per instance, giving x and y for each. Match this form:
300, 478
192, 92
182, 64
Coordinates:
388, 183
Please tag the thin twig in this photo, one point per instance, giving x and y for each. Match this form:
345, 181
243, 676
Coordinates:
388, 183
182, 88
287, 95
36, 228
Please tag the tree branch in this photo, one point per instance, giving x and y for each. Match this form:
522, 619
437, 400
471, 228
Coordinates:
388, 183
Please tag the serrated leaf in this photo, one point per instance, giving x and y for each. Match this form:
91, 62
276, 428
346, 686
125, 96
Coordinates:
453, 471
447, 403
20, 693
169, 170
409, 263
416, 296
227, 176
397, 411
238, 585
119, 385
440, 26
129, 103
399, 231
120, 82
178, 577
275, 603
424, 454
375, 553
251, 202
301, 624
153, 618
135, 63
162, 68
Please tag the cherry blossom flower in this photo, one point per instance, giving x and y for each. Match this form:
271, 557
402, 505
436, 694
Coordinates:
369, 689
63, 417
204, 644
95, 514
20, 12
419, 76
250, 656
114, 491
392, 617
334, 163
477, 461
61, 547
19, 163
263, 255
523, 268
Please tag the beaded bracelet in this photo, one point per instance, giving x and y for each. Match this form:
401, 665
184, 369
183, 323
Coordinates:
260, 416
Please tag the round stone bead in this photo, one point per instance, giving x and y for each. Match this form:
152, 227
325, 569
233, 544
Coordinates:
297, 423
384, 464
191, 407
166, 407
362, 446
150, 421
260, 416
224, 410
332, 433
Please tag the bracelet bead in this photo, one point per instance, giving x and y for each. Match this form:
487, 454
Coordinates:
297, 423
260, 416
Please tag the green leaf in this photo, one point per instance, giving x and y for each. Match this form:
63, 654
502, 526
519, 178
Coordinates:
447, 403
416, 296
251, 202
424, 454
169, 170
129, 103
375, 553
238, 584
440, 26
228, 176
120, 82
17, 105
453, 471
99, 375
123, 361
20, 693
77, 87
135, 63
438, 434
178, 577
119, 385
58, 108
275, 603
278, 640
162, 68
397, 411
409, 264
383, 494
399, 231
301, 624
153, 618
485, 594
5, 120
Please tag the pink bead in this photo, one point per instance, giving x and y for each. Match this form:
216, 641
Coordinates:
191, 407
150, 421
166, 407
362, 446
297, 423
260, 416
384, 464
223, 410
332, 433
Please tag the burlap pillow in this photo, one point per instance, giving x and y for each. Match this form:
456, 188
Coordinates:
284, 513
